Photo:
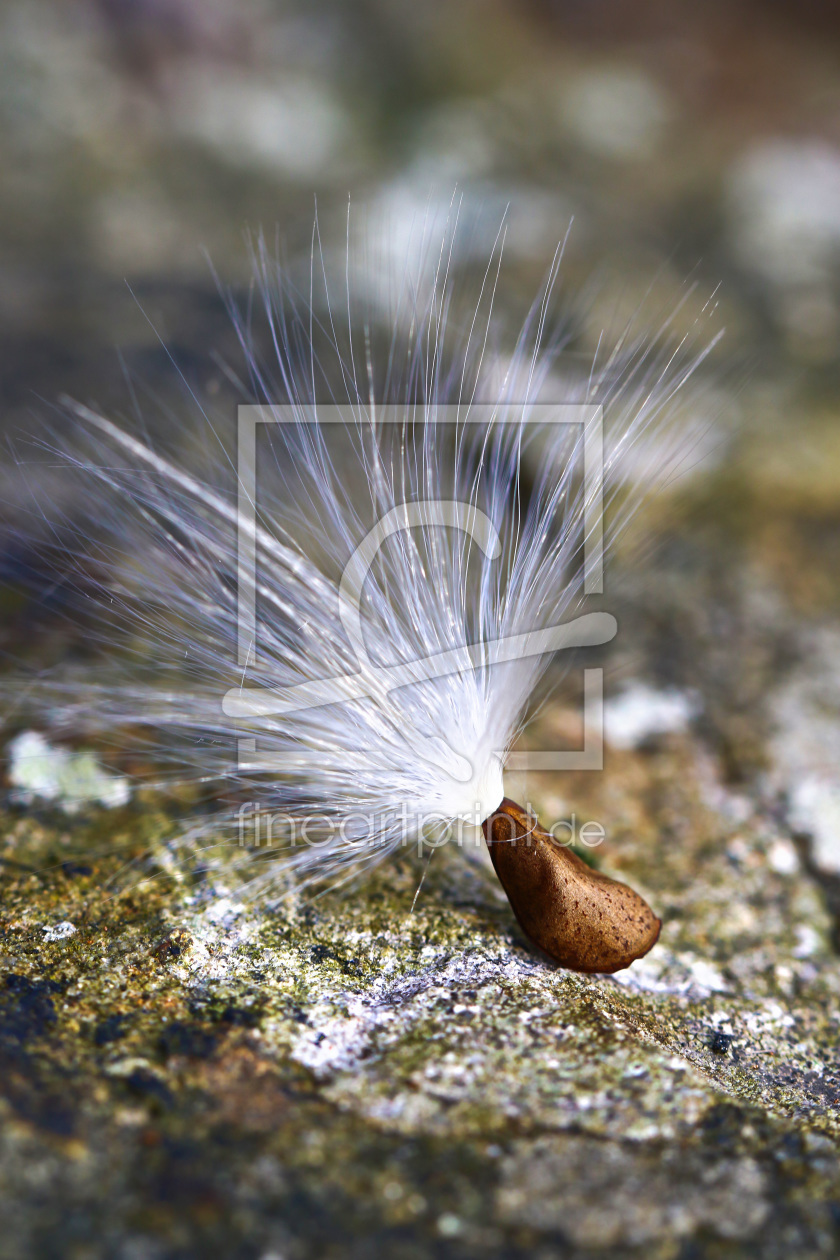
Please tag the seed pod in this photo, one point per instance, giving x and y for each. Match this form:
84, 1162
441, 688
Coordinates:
583, 919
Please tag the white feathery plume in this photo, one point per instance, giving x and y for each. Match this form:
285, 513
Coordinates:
411, 578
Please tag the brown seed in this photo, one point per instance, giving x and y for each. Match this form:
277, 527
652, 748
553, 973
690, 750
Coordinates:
583, 919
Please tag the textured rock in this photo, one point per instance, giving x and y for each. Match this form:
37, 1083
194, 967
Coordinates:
184, 1070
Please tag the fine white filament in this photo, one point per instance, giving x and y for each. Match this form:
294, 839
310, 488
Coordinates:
412, 564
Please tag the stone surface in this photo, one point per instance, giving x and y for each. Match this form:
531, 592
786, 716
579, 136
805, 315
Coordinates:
349, 1075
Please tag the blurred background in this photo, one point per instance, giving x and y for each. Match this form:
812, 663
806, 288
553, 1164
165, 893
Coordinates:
693, 141
166, 1079
144, 144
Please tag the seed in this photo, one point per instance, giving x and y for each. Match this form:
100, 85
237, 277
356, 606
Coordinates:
581, 918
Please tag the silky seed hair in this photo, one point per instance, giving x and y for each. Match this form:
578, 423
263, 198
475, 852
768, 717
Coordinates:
462, 541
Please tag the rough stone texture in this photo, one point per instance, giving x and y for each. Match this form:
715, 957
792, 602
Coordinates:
185, 1073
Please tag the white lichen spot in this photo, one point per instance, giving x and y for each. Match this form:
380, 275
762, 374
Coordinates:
71, 780
815, 810
808, 941
59, 931
224, 910
782, 857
